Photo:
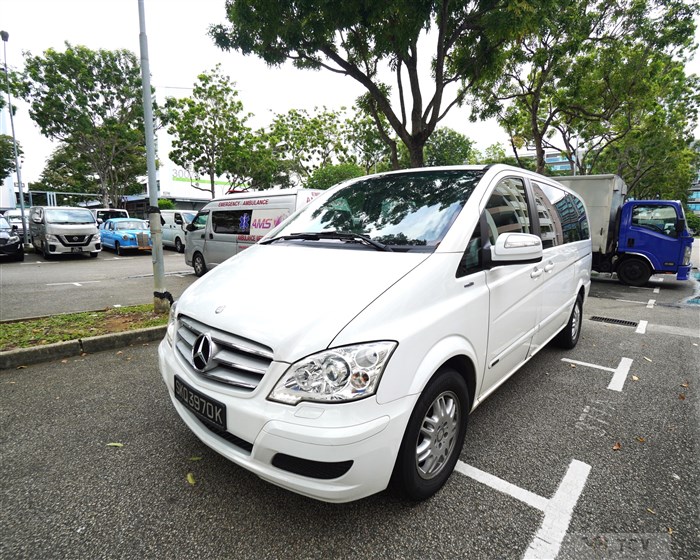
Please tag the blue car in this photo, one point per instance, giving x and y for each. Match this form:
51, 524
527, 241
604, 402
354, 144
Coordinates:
123, 234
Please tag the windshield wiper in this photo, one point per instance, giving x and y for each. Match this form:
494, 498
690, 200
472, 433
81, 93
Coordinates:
342, 235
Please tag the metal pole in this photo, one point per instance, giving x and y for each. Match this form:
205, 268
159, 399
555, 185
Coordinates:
161, 298
5, 36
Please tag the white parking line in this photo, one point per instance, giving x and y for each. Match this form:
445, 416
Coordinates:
650, 304
619, 373
79, 284
558, 513
557, 510
657, 290
642, 327
633, 301
39, 262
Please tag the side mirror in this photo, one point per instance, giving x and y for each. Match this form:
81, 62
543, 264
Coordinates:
190, 227
516, 248
36, 219
100, 221
14, 228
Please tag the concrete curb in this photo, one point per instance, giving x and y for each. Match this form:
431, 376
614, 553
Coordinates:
27, 356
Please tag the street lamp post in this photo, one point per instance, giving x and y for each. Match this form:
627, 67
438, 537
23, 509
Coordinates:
5, 36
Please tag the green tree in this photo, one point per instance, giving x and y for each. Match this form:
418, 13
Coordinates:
208, 128
328, 175
92, 101
356, 38
584, 72
449, 147
7, 156
66, 170
308, 141
166, 204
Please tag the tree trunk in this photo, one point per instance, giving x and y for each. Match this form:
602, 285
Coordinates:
415, 152
212, 179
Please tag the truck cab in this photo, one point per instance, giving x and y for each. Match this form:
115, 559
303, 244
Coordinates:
653, 238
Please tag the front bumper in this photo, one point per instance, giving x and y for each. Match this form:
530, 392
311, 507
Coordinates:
11, 249
363, 432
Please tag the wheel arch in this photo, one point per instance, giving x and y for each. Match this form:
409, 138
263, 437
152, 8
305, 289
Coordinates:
454, 352
627, 256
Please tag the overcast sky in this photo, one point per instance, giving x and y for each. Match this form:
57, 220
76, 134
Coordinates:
179, 49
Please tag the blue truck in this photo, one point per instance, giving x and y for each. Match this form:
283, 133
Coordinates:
633, 238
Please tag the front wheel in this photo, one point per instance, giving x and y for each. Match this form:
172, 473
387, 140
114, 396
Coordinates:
434, 437
179, 247
200, 267
118, 248
634, 272
94, 254
568, 337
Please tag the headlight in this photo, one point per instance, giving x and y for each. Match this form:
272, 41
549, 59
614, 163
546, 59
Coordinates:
50, 237
172, 322
686, 256
126, 237
338, 375
13, 239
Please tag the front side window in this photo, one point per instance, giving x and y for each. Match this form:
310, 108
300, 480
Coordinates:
506, 210
409, 211
661, 219
200, 221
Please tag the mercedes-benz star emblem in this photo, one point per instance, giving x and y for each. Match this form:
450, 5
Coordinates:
219, 309
202, 352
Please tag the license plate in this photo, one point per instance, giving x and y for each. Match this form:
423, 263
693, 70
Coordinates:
201, 405
76, 250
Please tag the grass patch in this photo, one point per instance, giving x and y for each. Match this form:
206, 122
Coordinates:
72, 326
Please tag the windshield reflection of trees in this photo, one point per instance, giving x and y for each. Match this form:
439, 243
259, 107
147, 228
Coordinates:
378, 206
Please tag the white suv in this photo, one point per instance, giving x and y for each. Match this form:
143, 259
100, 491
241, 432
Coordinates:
347, 348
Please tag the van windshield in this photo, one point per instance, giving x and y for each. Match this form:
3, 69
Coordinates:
69, 216
409, 211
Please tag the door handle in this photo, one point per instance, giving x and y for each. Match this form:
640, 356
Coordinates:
537, 272
548, 267
211, 236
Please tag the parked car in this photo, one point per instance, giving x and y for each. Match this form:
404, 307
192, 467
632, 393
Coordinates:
14, 216
346, 349
11, 247
104, 214
173, 227
123, 234
56, 230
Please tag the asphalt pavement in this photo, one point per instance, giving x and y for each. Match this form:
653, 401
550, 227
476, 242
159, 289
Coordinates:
68, 493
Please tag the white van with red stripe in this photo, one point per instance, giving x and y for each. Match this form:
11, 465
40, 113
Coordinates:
226, 226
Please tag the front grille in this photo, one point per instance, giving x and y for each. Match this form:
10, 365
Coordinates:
615, 321
3, 240
142, 239
312, 469
235, 361
74, 240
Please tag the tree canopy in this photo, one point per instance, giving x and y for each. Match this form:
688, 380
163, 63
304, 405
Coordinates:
369, 40
91, 100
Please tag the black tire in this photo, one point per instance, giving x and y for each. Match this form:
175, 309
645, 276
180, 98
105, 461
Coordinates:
118, 248
94, 254
425, 461
179, 247
569, 335
200, 267
44, 251
634, 272
19, 257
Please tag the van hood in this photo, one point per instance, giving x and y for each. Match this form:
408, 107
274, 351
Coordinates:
71, 229
294, 300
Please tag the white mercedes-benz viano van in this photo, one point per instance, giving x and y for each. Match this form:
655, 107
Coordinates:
346, 349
